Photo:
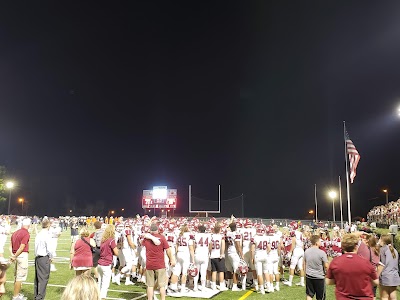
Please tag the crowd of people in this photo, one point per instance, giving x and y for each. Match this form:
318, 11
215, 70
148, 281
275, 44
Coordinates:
182, 255
386, 214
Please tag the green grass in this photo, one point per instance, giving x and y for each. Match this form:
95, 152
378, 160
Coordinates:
59, 279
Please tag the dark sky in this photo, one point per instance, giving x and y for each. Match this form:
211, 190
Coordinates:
100, 100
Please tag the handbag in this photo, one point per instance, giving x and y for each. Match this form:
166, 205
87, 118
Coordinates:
94, 249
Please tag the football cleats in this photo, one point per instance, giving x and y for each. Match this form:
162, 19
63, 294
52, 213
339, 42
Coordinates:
192, 270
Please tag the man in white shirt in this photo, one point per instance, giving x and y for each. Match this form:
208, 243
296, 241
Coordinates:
43, 258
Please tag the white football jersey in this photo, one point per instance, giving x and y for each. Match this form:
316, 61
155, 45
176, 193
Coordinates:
247, 235
216, 241
231, 238
261, 242
184, 241
299, 239
274, 242
201, 241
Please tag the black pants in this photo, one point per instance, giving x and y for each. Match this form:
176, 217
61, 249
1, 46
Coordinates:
315, 286
42, 274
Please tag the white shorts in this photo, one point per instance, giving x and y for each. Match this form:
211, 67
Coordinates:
232, 262
297, 259
182, 264
273, 264
201, 261
261, 264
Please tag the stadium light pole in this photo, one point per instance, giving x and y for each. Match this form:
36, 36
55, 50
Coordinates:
386, 191
333, 195
21, 200
10, 186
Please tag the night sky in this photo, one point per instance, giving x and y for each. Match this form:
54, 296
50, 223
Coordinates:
100, 100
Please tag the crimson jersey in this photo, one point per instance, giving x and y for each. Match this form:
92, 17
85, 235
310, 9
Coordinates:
336, 247
324, 245
287, 244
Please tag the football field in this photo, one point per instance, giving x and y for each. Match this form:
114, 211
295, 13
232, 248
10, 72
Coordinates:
60, 278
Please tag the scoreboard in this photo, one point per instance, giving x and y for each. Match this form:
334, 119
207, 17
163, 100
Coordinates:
159, 197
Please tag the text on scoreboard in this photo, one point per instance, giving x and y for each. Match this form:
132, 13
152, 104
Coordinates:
157, 199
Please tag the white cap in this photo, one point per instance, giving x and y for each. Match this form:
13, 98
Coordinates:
26, 222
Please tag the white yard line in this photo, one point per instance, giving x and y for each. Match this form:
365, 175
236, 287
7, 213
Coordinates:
110, 290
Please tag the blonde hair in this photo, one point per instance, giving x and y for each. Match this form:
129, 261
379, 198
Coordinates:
84, 232
81, 287
109, 232
184, 229
349, 242
387, 240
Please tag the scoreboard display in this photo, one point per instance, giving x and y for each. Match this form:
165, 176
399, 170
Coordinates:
159, 197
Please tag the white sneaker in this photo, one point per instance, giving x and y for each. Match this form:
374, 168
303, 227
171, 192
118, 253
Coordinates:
300, 284
288, 283
271, 289
117, 279
128, 282
262, 291
235, 289
222, 288
277, 288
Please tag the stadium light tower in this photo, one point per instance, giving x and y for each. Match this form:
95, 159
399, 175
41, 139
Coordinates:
10, 186
386, 191
333, 195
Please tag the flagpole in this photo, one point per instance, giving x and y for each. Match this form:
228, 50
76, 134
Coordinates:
341, 205
316, 205
347, 173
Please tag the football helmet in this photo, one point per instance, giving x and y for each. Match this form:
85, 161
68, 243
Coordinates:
192, 271
119, 227
294, 225
270, 230
260, 230
243, 268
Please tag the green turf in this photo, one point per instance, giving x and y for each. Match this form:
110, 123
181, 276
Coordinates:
60, 278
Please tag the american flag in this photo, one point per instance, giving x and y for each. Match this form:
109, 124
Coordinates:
354, 157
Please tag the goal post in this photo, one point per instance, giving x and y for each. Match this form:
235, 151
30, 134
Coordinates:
206, 211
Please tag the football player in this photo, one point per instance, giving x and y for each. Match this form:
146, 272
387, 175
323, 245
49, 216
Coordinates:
217, 256
183, 259
125, 256
248, 232
201, 252
233, 241
259, 255
274, 249
297, 254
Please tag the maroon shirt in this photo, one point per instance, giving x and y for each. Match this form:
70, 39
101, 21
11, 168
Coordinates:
83, 254
106, 252
21, 236
353, 275
155, 254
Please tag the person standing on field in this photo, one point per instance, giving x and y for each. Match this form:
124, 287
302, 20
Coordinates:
43, 258
19, 248
155, 244
352, 274
315, 265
